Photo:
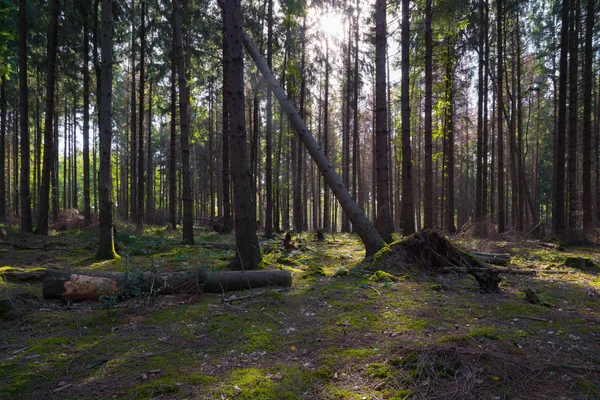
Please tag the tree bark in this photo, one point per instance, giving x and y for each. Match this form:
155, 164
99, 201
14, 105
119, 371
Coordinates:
586, 197
106, 248
558, 179
408, 208
572, 186
25, 190
140, 157
383, 222
87, 211
248, 254
365, 229
184, 120
44, 206
500, 139
428, 186
269, 133
3, 147
149, 167
173, 137
133, 123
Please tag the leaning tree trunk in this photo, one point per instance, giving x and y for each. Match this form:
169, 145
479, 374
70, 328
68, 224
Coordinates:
44, 206
365, 229
247, 248
106, 248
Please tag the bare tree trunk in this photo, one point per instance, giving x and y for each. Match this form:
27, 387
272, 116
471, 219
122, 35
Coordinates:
572, 185
428, 186
149, 167
247, 248
367, 232
586, 197
326, 207
184, 120
449, 135
87, 212
269, 133
226, 183
383, 221
558, 179
26, 222
106, 247
44, 206
133, 126
140, 157
3, 148
298, 209
173, 137
500, 138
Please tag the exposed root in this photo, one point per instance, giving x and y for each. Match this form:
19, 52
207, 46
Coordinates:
432, 252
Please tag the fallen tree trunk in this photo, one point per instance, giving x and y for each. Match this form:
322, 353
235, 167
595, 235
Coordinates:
431, 251
21, 276
80, 286
492, 258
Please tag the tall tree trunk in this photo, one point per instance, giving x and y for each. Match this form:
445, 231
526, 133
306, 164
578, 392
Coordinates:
226, 183
484, 178
74, 193
269, 129
247, 248
44, 207
500, 139
54, 174
140, 157
558, 179
428, 186
211, 154
149, 165
173, 137
133, 124
3, 148
365, 229
408, 207
106, 247
586, 197
572, 186
479, 168
298, 209
384, 221
356, 89
449, 135
87, 212
326, 207
26, 222
184, 120
346, 124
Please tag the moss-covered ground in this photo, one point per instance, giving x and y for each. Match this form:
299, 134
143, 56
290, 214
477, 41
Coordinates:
340, 332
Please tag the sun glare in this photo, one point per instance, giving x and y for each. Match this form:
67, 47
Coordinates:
331, 24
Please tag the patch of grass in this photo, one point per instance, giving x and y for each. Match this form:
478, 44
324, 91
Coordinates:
313, 272
254, 384
378, 371
457, 339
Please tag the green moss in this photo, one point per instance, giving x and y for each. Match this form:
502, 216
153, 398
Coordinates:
252, 383
486, 332
584, 263
461, 340
288, 261
381, 254
313, 271
382, 276
378, 371
401, 395
335, 393
588, 388
533, 297
157, 388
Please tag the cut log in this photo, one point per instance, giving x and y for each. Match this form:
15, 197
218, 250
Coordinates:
81, 286
432, 252
20, 276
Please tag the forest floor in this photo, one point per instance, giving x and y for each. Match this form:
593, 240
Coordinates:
337, 333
